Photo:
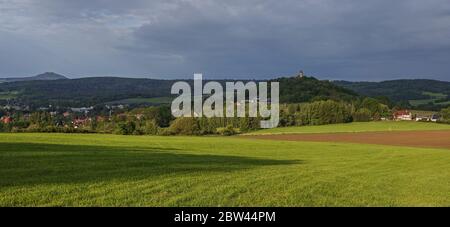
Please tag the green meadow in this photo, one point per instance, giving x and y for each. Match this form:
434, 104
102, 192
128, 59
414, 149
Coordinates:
8, 95
157, 100
433, 97
109, 170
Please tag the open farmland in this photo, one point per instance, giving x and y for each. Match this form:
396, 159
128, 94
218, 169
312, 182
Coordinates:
108, 170
435, 139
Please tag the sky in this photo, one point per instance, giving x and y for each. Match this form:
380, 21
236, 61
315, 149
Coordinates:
359, 40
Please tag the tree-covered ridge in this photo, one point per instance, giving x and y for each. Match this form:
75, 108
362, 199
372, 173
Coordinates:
85, 91
307, 89
99, 90
398, 90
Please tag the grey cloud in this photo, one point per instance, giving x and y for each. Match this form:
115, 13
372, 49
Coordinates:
348, 39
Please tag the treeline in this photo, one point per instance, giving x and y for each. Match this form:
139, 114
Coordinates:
159, 121
333, 112
143, 121
188, 126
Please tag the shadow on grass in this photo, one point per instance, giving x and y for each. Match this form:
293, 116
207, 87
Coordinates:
33, 164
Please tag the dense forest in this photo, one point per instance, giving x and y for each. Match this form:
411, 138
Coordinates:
307, 89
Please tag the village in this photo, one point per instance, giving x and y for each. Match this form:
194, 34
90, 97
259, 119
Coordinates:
85, 116
411, 115
75, 117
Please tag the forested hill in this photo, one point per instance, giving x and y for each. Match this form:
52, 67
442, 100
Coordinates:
85, 91
98, 90
306, 89
398, 90
424, 94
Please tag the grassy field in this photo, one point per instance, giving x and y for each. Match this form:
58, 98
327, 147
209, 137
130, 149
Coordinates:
357, 127
433, 98
8, 95
157, 100
109, 170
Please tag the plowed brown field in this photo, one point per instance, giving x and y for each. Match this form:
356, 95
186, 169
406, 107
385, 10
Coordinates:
434, 139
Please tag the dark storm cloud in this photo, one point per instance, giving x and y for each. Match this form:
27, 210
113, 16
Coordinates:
346, 39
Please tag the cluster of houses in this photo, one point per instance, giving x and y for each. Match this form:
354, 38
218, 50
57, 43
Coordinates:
406, 115
75, 121
79, 114
6, 119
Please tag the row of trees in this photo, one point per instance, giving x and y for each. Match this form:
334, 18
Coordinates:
140, 121
159, 121
187, 126
315, 113
332, 112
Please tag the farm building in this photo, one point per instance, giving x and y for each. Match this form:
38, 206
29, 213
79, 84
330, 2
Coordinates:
6, 119
423, 117
435, 117
402, 115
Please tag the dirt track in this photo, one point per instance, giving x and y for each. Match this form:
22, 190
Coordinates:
434, 139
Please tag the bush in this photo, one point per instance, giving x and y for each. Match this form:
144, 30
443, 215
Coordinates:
5, 127
445, 115
125, 128
185, 126
33, 128
151, 128
228, 131
16, 130
362, 115
164, 132
105, 127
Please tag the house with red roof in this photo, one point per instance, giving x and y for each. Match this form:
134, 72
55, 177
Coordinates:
402, 115
6, 119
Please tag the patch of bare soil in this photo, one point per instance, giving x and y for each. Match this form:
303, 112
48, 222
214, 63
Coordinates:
433, 139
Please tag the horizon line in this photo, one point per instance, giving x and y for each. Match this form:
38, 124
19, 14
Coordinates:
224, 78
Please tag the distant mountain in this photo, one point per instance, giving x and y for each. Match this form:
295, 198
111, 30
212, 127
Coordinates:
416, 92
43, 76
98, 90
